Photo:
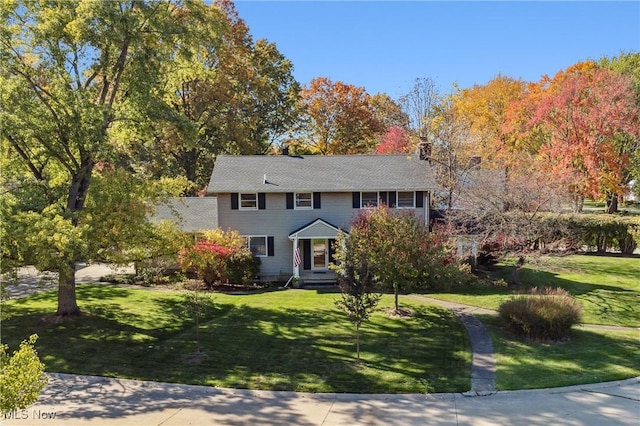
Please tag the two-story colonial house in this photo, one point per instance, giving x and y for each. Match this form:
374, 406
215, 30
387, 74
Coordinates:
290, 208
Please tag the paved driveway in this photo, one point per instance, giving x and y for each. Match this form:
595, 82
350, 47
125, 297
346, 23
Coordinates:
31, 281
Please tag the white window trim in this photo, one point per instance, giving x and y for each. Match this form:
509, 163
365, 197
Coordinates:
266, 244
295, 201
240, 201
413, 206
365, 206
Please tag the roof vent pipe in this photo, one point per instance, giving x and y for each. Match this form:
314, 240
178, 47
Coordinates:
264, 179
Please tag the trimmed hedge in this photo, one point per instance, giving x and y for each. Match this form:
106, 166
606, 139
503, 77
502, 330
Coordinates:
546, 314
598, 232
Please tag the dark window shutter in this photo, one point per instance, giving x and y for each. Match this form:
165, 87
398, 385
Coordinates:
419, 199
262, 202
306, 254
392, 199
356, 200
269, 246
383, 198
289, 200
234, 201
316, 200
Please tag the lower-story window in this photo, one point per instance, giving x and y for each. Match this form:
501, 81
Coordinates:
257, 245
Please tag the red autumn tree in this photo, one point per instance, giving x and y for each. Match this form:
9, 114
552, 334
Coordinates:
579, 116
395, 141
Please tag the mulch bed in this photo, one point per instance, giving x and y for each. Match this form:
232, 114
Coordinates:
225, 288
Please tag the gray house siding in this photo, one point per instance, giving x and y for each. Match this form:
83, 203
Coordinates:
275, 220
191, 214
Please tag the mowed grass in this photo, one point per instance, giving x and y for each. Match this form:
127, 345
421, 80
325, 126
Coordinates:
590, 356
286, 340
607, 286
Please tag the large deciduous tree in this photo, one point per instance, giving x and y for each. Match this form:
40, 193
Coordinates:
482, 109
451, 150
230, 95
628, 64
68, 71
418, 105
583, 114
339, 118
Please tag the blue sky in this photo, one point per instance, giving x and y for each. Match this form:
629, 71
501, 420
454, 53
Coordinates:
384, 45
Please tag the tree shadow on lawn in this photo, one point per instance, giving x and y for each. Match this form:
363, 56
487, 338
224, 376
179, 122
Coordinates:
304, 350
588, 357
430, 346
103, 339
613, 304
530, 277
243, 346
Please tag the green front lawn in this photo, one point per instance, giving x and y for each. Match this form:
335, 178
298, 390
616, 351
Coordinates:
286, 340
591, 356
607, 286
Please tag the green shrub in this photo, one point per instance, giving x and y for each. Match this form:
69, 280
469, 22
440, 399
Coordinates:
546, 314
21, 376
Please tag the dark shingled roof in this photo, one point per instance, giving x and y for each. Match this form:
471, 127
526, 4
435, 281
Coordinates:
328, 173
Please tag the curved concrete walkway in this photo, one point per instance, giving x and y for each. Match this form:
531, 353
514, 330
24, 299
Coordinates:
483, 361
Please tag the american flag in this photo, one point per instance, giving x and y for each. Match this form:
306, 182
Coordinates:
296, 258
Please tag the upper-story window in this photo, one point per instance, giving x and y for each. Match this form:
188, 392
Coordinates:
405, 200
369, 199
249, 201
304, 201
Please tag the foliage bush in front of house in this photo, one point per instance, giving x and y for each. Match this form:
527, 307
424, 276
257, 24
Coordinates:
546, 314
220, 257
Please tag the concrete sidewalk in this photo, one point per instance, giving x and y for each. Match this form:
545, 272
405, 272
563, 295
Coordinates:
88, 400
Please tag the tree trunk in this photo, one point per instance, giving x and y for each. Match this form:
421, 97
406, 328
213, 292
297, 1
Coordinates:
578, 203
67, 305
513, 279
612, 204
396, 299
358, 342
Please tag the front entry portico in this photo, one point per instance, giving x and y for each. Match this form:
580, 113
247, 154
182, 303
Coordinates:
313, 251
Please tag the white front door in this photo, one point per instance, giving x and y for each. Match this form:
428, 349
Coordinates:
320, 253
